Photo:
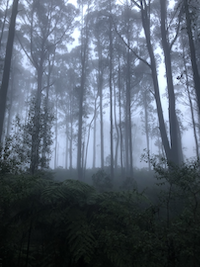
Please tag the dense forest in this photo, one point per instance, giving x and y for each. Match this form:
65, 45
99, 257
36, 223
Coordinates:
90, 84
99, 106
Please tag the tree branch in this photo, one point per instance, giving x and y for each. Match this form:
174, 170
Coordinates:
28, 56
177, 30
134, 2
131, 49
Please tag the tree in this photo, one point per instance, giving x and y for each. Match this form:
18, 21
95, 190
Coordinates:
7, 64
171, 147
189, 9
84, 38
175, 138
147, 112
46, 25
107, 10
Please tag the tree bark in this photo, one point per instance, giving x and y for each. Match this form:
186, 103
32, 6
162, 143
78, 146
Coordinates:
120, 118
36, 124
84, 44
129, 125
117, 129
174, 136
67, 145
146, 27
146, 124
94, 134
191, 105
10, 102
196, 75
56, 135
111, 94
7, 64
3, 24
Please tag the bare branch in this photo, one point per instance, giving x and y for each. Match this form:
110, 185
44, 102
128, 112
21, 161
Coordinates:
177, 30
152, 93
134, 2
130, 48
28, 56
48, 85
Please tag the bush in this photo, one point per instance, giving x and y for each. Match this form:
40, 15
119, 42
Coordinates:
69, 223
102, 181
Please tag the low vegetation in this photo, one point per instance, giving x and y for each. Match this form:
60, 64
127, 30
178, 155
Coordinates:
46, 222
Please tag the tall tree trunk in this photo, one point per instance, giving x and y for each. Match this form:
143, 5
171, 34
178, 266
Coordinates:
111, 94
120, 119
174, 136
129, 115
196, 75
146, 126
7, 63
101, 130
101, 126
36, 125
100, 92
71, 148
56, 135
46, 111
88, 137
84, 44
10, 103
117, 129
191, 105
71, 134
94, 134
3, 24
67, 145
146, 27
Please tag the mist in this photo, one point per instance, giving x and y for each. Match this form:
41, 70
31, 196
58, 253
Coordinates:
99, 133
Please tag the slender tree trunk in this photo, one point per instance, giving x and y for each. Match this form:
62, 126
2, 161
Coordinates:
7, 64
191, 106
84, 44
146, 125
10, 103
94, 143
3, 24
111, 94
88, 138
71, 149
27, 97
71, 135
120, 120
174, 136
56, 134
101, 128
46, 110
126, 132
100, 92
67, 142
128, 127
36, 125
129, 117
146, 27
117, 129
94, 135
80, 125
196, 75
83, 155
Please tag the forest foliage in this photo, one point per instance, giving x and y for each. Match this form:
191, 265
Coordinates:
86, 98
46, 222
